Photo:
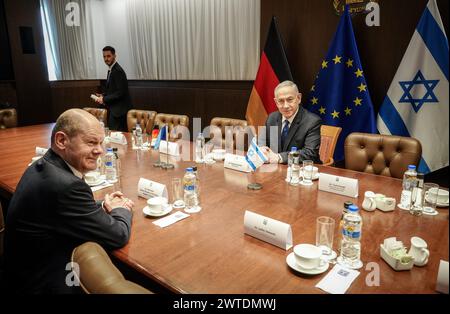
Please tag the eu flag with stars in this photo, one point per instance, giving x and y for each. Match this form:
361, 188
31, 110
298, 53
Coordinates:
340, 95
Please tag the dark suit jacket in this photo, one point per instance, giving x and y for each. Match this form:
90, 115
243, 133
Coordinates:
304, 133
117, 97
52, 212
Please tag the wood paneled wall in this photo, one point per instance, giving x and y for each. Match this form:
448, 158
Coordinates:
308, 26
30, 70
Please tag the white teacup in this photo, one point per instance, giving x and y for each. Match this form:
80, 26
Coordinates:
157, 204
442, 197
307, 256
219, 154
419, 251
370, 202
92, 177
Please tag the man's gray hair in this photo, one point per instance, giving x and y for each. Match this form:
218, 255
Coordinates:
285, 84
72, 122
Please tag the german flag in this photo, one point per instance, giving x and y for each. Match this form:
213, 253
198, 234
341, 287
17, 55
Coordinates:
273, 69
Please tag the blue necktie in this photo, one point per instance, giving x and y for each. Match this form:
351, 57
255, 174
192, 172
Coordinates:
284, 133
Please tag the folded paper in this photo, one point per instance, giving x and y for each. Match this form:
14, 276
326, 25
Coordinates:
148, 189
169, 148
338, 185
236, 162
267, 229
118, 138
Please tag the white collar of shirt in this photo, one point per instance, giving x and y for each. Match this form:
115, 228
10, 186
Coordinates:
290, 119
112, 65
75, 171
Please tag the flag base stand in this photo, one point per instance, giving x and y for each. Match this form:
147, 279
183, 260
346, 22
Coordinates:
167, 166
254, 186
158, 164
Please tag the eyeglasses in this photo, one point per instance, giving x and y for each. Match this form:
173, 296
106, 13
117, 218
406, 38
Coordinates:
289, 100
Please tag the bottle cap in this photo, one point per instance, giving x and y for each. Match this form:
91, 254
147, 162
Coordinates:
353, 208
411, 167
293, 149
194, 168
189, 169
115, 149
109, 149
347, 204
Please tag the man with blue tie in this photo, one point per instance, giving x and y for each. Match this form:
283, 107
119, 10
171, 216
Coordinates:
294, 125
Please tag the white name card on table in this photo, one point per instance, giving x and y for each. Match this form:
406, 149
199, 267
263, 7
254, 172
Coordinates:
41, 151
118, 138
236, 162
169, 148
148, 189
267, 229
442, 278
338, 185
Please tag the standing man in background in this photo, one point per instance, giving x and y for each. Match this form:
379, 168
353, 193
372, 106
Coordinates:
116, 98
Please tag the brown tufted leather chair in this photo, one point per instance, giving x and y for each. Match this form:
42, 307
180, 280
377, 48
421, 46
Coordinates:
100, 113
385, 155
238, 127
97, 274
172, 120
8, 118
146, 119
328, 139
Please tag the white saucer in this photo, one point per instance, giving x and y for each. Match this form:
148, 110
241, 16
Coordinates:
290, 260
98, 182
193, 210
148, 212
178, 206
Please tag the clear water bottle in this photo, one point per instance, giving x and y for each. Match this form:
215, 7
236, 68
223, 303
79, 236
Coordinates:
138, 135
351, 239
190, 191
409, 183
110, 166
295, 168
197, 181
347, 204
200, 148
290, 161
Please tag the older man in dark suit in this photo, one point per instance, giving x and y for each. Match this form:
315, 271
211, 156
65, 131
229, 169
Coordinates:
53, 210
116, 97
291, 126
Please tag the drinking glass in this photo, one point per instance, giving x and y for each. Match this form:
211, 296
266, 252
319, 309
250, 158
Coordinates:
177, 193
324, 236
430, 197
308, 169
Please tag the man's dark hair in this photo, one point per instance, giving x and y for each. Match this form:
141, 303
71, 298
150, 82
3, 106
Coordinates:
109, 48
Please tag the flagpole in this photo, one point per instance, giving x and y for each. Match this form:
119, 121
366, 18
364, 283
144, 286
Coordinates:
167, 165
253, 185
158, 164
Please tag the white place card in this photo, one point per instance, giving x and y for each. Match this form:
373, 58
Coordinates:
267, 229
338, 185
41, 151
236, 162
442, 278
338, 280
148, 189
118, 138
169, 148
171, 219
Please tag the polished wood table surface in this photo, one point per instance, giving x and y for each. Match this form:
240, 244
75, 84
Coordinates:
209, 253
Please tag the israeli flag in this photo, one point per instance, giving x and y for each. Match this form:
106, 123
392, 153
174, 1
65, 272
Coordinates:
255, 157
417, 103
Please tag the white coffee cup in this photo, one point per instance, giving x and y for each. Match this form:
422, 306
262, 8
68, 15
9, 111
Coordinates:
157, 204
419, 251
442, 197
219, 154
369, 203
307, 256
92, 177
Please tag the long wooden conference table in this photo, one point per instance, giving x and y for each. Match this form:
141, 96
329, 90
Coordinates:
208, 252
